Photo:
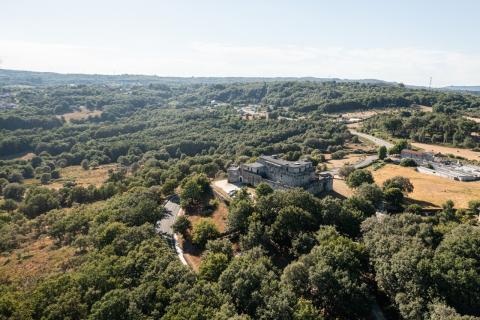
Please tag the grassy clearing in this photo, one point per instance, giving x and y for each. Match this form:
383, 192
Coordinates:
465, 153
341, 188
83, 113
34, 260
430, 190
82, 177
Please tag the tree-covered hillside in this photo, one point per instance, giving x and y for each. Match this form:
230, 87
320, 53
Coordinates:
76, 251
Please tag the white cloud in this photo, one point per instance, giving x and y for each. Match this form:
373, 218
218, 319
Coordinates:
408, 65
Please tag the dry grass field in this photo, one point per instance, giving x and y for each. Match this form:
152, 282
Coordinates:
465, 153
33, 261
349, 159
431, 190
82, 177
341, 188
83, 113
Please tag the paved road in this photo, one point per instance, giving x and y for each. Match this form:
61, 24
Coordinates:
164, 226
173, 208
366, 162
377, 141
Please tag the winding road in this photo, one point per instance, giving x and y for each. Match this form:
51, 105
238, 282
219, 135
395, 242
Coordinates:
164, 226
377, 141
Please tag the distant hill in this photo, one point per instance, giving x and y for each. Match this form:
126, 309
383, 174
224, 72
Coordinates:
30, 78
475, 89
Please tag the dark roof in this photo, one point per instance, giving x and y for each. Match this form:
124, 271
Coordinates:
275, 160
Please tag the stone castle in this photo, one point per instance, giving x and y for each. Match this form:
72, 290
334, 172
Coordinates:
281, 174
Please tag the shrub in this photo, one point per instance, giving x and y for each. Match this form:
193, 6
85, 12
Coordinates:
13, 191
408, 163
263, 189
203, 231
85, 165
8, 205
45, 178
338, 155
359, 177
181, 225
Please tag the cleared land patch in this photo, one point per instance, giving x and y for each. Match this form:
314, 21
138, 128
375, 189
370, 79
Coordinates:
431, 189
465, 153
85, 178
33, 261
341, 188
82, 113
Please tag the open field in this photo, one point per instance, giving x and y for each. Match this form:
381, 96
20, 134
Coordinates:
431, 190
348, 159
82, 177
35, 260
340, 187
423, 108
465, 153
19, 156
83, 113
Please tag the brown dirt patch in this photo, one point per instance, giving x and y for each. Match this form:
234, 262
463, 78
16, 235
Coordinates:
33, 261
430, 190
465, 153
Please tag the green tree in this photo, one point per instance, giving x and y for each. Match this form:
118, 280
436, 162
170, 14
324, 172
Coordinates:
238, 213
85, 164
346, 170
263, 189
39, 201
113, 305
182, 225
203, 231
45, 178
246, 279
359, 177
212, 266
398, 147
194, 193
370, 192
8, 205
394, 198
399, 182
13, 191
382, 152
457, 269
168, 187
331, 276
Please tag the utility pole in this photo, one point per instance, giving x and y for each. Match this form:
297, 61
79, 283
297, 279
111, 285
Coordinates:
430, 84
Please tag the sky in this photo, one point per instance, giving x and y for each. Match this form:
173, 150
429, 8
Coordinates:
405, 41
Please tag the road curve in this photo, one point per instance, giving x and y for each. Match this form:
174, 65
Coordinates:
377, 141
164, 226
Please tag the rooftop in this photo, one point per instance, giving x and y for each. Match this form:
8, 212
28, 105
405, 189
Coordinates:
275, 160
254, 165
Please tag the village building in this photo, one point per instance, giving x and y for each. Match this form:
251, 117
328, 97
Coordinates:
281, 174
416, 155
430, 164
